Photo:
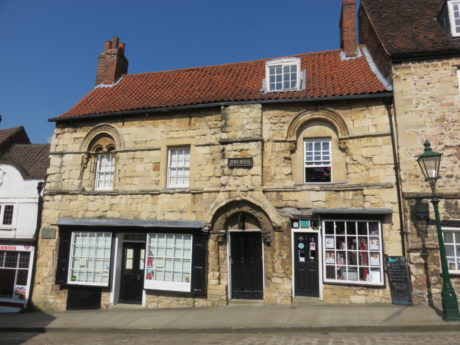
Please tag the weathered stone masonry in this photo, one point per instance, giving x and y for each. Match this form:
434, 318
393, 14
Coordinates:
363, 177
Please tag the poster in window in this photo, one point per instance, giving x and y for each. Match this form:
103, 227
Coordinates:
375, 259
375, 275
20, 292
329, 242
330, 258
374, 244
149, 262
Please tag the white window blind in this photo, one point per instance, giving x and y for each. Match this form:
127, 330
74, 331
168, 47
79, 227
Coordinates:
104, 171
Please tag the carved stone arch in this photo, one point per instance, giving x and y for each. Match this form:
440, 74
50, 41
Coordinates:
221, 218
99, 131
325, 115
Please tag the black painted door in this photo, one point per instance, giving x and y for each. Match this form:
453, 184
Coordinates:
306, 254
132, 273
246, 265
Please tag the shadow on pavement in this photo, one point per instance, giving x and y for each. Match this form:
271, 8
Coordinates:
18, 328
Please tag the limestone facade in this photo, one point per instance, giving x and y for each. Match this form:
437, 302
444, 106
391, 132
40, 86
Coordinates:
272, 192
427, 103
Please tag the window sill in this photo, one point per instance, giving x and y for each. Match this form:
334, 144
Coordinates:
354, 283
7, 228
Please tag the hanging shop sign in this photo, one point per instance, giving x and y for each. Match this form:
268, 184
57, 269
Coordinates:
240, 162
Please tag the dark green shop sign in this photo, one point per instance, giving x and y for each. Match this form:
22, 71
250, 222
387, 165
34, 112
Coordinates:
240, 162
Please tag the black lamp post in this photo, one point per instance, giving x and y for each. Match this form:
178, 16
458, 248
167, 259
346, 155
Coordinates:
429, 162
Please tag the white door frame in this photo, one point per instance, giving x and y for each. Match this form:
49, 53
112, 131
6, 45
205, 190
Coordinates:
117, 262
320, 259
229, 269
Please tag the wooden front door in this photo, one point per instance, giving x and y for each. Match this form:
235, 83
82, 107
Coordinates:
132, 273
306, 252
246, 265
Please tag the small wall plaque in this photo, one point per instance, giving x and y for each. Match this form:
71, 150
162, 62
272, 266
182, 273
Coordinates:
48, 233
240, 162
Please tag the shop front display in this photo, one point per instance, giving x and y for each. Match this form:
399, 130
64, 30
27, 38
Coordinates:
128, 265
15, 275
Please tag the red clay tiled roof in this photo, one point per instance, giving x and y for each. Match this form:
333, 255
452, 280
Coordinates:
410, 26
327, 75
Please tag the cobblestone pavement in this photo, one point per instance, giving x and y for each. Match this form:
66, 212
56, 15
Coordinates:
70, 338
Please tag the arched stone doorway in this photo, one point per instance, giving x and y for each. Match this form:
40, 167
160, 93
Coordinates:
243, 232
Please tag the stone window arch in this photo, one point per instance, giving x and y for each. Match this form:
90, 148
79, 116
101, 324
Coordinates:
318, 154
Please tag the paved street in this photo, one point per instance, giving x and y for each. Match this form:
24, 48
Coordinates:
296, 338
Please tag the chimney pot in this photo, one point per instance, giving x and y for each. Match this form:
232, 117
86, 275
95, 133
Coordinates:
108, 45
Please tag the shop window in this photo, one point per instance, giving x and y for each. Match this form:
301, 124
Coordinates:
6, 214
452, 244
14, 274
353, 252
317, 160
169, 262
89, 261
178, 167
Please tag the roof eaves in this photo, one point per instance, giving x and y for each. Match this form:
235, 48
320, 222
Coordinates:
385, 94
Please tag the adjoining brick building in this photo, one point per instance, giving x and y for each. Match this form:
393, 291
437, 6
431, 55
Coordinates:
266, 180
416, 44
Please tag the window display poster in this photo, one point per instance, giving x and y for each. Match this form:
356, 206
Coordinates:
330, 258
329, 242
374, 244
375, 259
20, 292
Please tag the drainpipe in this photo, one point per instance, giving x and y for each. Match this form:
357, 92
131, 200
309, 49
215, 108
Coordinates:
40, 187
397, 169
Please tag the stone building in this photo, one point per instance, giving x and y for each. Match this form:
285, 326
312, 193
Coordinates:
416, 46
265, 180
22, 172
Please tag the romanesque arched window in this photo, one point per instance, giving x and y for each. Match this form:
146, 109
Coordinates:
103, 149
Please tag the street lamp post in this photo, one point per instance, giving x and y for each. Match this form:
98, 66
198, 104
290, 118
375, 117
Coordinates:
429, 162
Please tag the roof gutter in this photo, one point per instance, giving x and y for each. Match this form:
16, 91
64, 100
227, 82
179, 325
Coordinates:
219, 104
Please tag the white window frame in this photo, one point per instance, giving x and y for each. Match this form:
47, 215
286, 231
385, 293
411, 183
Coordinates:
100, 173
456, 244
283, 62
450, 6
2, 214
19, 249
152, 258
70, 281
369, 266
317, 164
185, 167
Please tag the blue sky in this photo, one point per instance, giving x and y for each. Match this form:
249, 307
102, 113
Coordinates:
49, 48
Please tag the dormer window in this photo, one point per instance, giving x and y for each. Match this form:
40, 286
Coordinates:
454, 16
283, 74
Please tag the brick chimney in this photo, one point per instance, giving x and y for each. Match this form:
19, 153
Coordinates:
348, 28
111, 63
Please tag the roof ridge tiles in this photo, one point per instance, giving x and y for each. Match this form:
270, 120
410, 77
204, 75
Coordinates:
322, 52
